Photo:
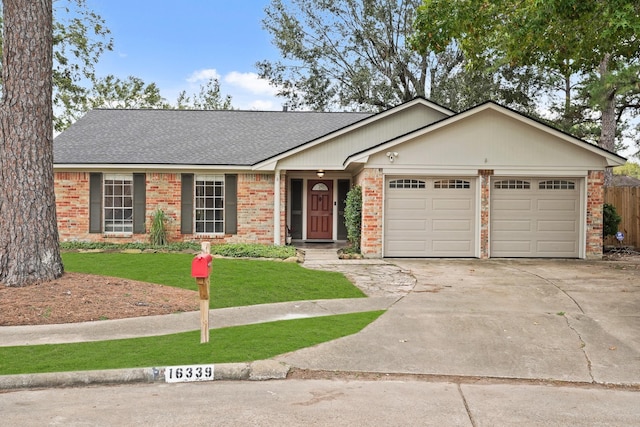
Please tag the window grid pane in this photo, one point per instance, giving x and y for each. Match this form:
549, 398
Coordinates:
209, 204
451, 183
557, 185
512, 184
406, 183
118, 204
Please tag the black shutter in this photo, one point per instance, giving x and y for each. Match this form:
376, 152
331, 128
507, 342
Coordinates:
139, 203
95, 203
186, 209
231, 204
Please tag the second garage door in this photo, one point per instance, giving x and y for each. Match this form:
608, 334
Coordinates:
429, 217
535, 218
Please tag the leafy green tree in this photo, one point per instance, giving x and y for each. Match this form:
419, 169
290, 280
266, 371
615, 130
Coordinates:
628, 169
80, 37
29, 248
209, 98
585, 45
112, 92
353, 54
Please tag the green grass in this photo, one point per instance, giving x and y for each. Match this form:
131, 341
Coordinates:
234, 282
235, 344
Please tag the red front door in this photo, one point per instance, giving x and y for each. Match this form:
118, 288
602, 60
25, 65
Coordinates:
320, 209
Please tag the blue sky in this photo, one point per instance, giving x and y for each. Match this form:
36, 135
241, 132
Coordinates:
180, 44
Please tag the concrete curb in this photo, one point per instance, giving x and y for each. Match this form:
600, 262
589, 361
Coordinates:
260, 370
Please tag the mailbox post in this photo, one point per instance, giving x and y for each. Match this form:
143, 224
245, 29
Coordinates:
201, 267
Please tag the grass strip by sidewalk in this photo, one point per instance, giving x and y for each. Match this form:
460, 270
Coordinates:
226, 345
234, 282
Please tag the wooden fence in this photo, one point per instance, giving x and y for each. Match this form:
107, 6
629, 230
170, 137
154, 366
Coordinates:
627, 203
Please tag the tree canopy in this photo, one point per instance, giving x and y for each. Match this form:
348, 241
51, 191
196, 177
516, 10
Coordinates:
353, 54
586, 48
80, 37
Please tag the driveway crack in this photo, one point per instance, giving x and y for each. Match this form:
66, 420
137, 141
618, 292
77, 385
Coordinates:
583, 346
552, 283
466, 406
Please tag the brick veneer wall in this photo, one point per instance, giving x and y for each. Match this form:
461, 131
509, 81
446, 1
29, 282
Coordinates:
72, 205
485, 202
255, 209
163, 190
372, 183
595, 201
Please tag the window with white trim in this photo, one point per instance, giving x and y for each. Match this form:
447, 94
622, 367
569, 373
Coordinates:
406, 183
451, 183
209, 204
118, 203
512, 184
557, 184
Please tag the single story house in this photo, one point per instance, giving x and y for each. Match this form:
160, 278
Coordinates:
486, 182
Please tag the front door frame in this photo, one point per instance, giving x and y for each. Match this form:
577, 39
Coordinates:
320, 210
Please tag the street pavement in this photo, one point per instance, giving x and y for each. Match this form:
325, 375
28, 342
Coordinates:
513, 340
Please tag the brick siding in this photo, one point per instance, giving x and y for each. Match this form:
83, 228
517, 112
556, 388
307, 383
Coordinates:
372, 183
595, 201
163, 190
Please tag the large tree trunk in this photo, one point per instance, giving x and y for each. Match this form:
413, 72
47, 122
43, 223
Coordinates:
29, 248
608, 121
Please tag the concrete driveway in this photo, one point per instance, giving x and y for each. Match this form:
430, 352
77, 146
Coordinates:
565, 320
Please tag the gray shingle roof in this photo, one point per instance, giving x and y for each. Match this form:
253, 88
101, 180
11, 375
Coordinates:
213, 137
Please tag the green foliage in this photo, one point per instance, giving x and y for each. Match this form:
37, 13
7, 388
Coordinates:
227, 345
158, 232
586, 51
234, 282
610, 219
353, 54
112, 92
249, 250
170, 247
628, 169
209, 98
353, 216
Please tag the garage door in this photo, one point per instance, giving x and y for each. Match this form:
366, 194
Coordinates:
429, 217
535, 218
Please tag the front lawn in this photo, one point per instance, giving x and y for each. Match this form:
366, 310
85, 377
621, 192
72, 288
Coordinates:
234, 282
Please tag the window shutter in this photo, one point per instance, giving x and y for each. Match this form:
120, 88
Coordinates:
95, 203
186, 209
231, 204
139, 203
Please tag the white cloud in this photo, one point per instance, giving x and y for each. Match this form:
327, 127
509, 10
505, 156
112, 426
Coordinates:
250, 82
247, 90
203, 75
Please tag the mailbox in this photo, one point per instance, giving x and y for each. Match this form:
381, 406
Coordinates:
200, 265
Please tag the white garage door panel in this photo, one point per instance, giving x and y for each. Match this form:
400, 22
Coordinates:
429, 217
567, 206
535, 217
558, 247
513, 247
452, 225
408, 204
513, 225
415, 225
445, 247
512, 205
568, 226
453, 205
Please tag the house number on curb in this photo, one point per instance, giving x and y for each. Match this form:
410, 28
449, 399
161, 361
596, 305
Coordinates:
188, 373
